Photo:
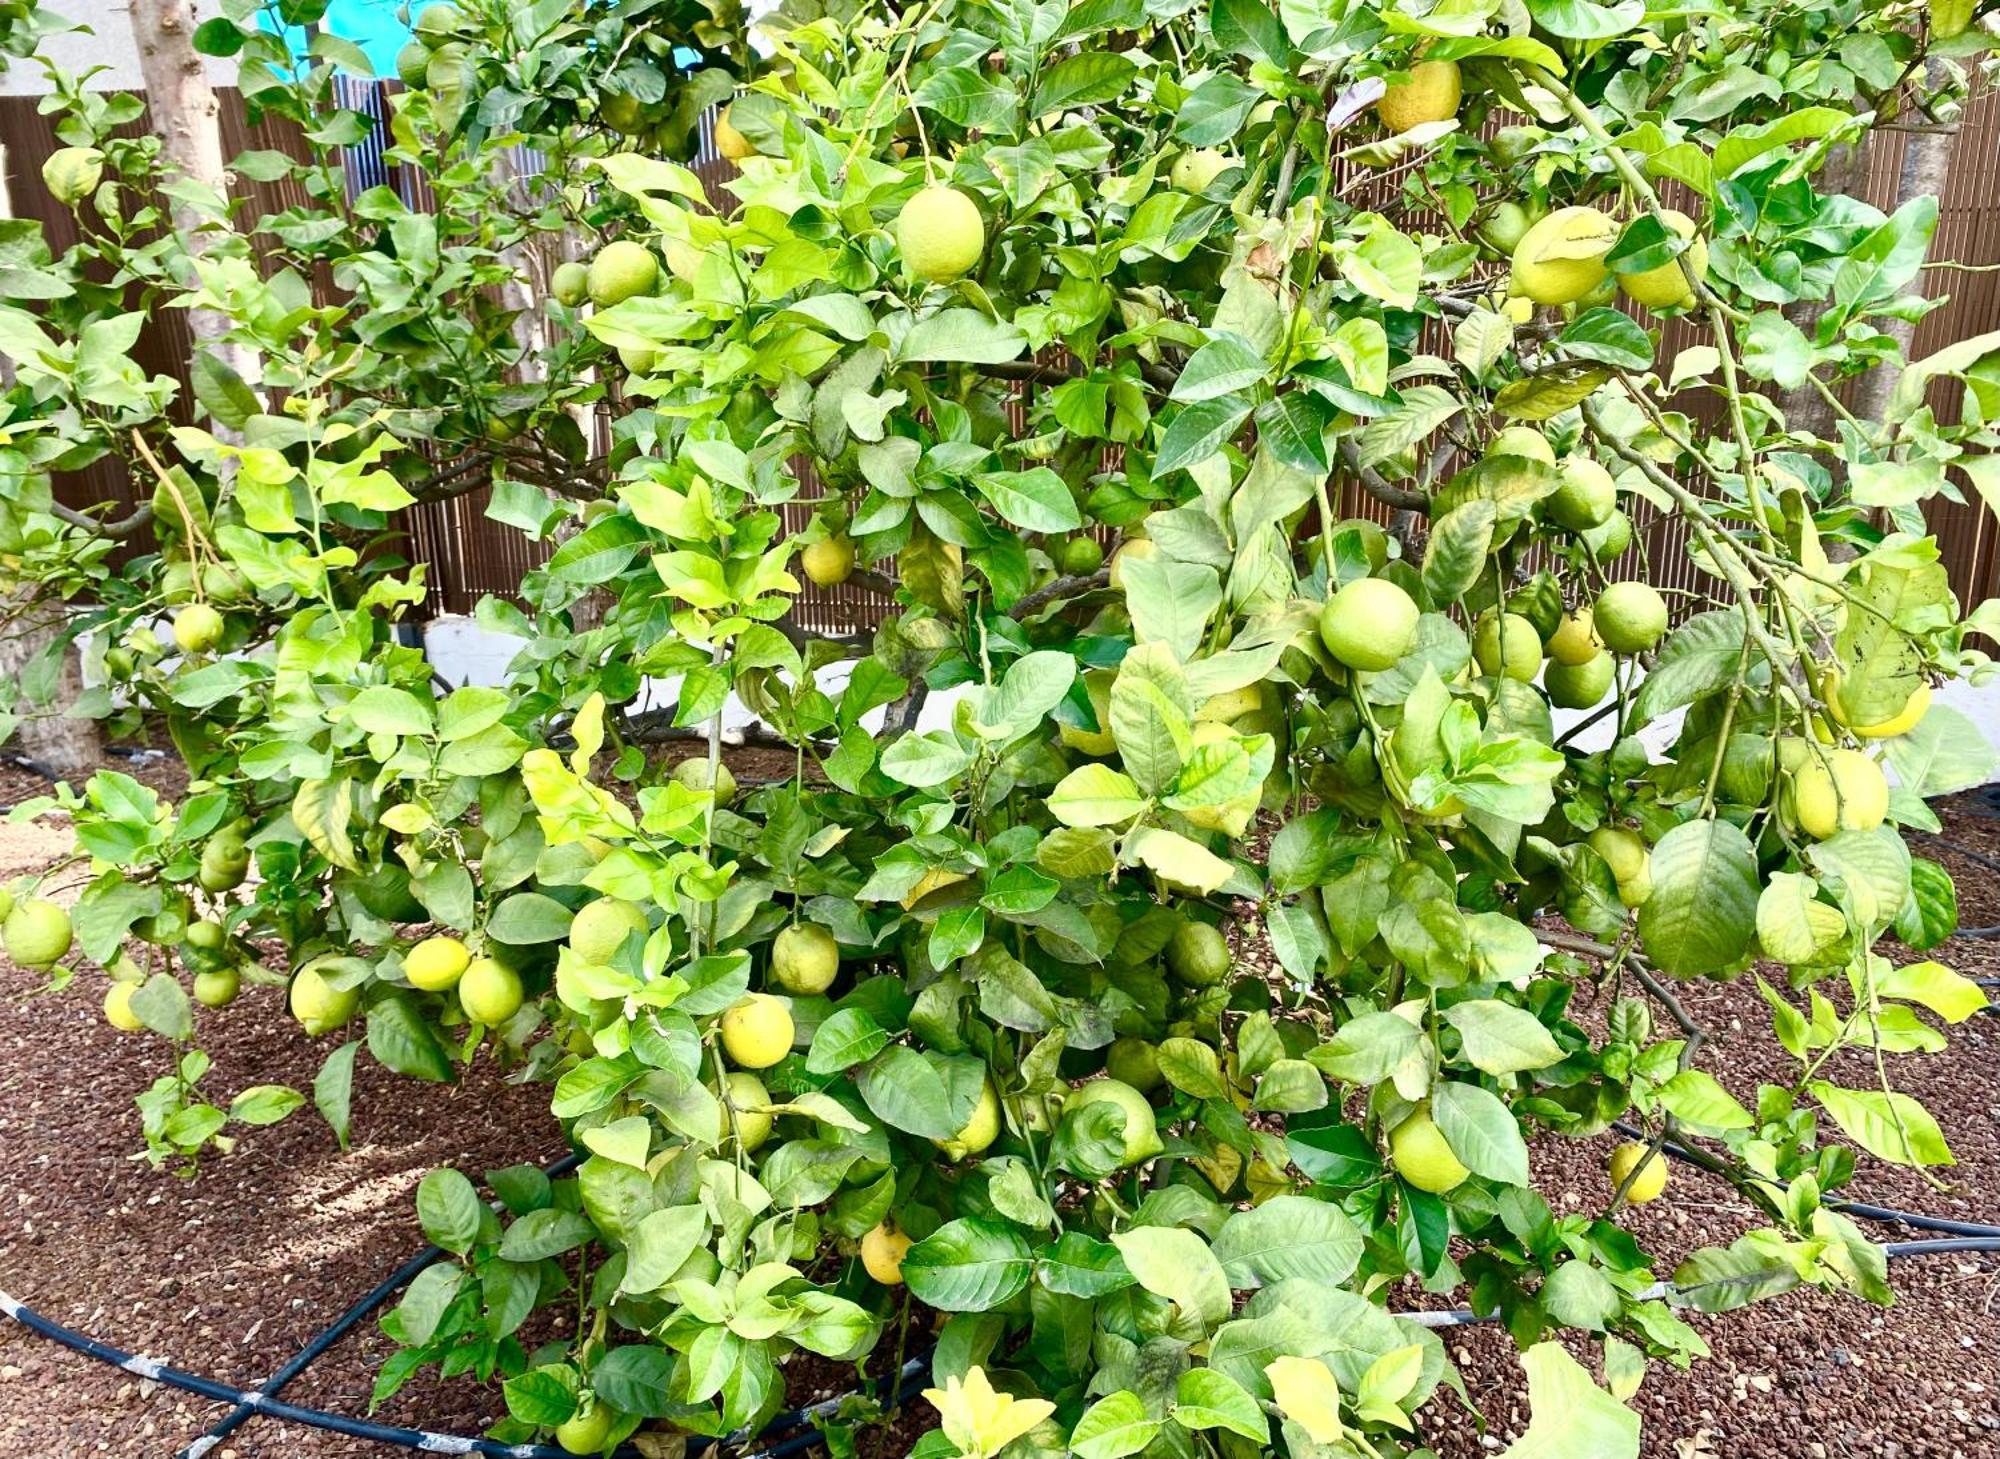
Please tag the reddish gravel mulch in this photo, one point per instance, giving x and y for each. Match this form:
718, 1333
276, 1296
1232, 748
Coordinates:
230, 1273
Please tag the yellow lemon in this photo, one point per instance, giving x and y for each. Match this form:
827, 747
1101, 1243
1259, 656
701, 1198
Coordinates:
1506, 643
1193, 171
981, 1129
1575, 640
1561, 258
1097, 742
1133, 549
1421, 1155
36, 933
934, 880
1369, 624
197, 628
1648, 1183
118, 1007
1667, 286
1431, 94
757, 1032
1842, 791
940, 234
600, 928
1624, 851
882, 1253
319, 1005
1629, 617
730, 142
805, 959
490, 992
829, 562
436, 963
1900, 723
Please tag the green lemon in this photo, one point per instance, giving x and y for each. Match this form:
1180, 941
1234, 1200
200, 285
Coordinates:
570, 284
1422, 1156
1369, 624
697, 775
437, 963
600, 928
217, 987
1611, 539
225, 861
1506, 643
1585, 495
1579, 686
981, 1128
805, 959
435, 24
747, 1100
1522, 441
197, 628
1194, 170
828, 562
1624, 851
1142, 1131
490, 992
940, 234
586, 1431
1135, 1062
1504, 227
1198, 954
37, 933
319, 1005
622, 270
757, 1032
1079, 556
1629, 617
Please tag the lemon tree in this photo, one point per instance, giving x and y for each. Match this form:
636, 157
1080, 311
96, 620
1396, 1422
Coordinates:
1168, 937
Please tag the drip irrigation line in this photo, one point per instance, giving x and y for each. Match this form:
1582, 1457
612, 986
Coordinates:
1915, 1220
341, 1326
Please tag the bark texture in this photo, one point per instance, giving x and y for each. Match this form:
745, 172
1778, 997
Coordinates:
45, 734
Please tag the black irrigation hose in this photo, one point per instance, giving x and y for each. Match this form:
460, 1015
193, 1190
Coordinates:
341, 1326
1862, 1209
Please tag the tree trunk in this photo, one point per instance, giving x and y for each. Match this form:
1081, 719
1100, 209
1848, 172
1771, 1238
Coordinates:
187, 120
1845, 173
60, 745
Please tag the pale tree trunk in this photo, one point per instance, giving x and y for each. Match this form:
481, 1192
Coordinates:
188, 122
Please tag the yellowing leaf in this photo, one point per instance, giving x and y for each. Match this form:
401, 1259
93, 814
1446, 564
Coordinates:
979, 1421
1308, 1395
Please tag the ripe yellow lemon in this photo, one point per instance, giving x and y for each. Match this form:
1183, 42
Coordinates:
730, 142
1430, 95
1133, 549
1198, 954
37, 933
1667, 286
1844, 791
757, 1032
1629, 617
940, 234
1561, 258
600, 928
1506, 644
1584, 497
829, 562
1575, 639
1579, 686
1418, 1150
882, 1253
1097, 742
197, 628
436, 963
1193, 171
1648, 1183
1142, 1130
319, 1005
747, 1098
1900, 723
1369, 624
622, 270
489, 992
805, 959
118, 1007
1523, 441
1624, 851
981, 1128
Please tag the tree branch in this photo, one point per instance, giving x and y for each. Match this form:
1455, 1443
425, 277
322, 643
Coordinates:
1061, 588
123, 527
1375, 486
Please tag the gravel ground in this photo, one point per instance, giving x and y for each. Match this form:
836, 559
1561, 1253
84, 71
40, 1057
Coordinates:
230, 1273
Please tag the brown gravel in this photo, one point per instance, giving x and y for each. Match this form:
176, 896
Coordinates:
231, 1273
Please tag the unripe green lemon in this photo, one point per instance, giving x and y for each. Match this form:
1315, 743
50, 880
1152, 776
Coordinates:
1135, 1062
123, 969
1585, 495
1561, 258
1193, 171
1667, 286
6, 903
217, 987
1523, 441
1629, 617
1624, 851
570, 283
1079, 556
981, 1128
437, 963
805, 959
882, 1253
37, 933
696, 774
1369, 624
445, 75
1579, 686
197, 628
118, 1007
206, 936
586, 1431
413, 64
1230, 705
435, 24
600, 928
490, 992
1198, 954
622, 270
1421, 1155
225, 861
72, 174
319, 1005
1842, 791
1430, 95
757, 1032
1575, 639
940, 234
747, 1100
731, 143
1142, 1130
1610, 540
1506, 643
1649, 1182
637, 359
1505, 227
828, 562
623, 112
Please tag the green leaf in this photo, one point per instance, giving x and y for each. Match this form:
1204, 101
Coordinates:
449, 1210
1695, 1098
1171, 602
1609, 337
426, 1300
1037, 500
968, 1265
1481, 1131
542, 1234
1368, 1049
1225, 365
1176, 1264
964, 335
401, 1040
1456, 554
542, 1397
1703, 910
162, 1005
1499, 1038
527, 918
1206, 1398
847, 1038
1951, 996
1095, 795
1891, 1126
264, 1104
333, 1090
1578, 1295
1288, 1236
385, 710
1113, 1427
1087, 79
